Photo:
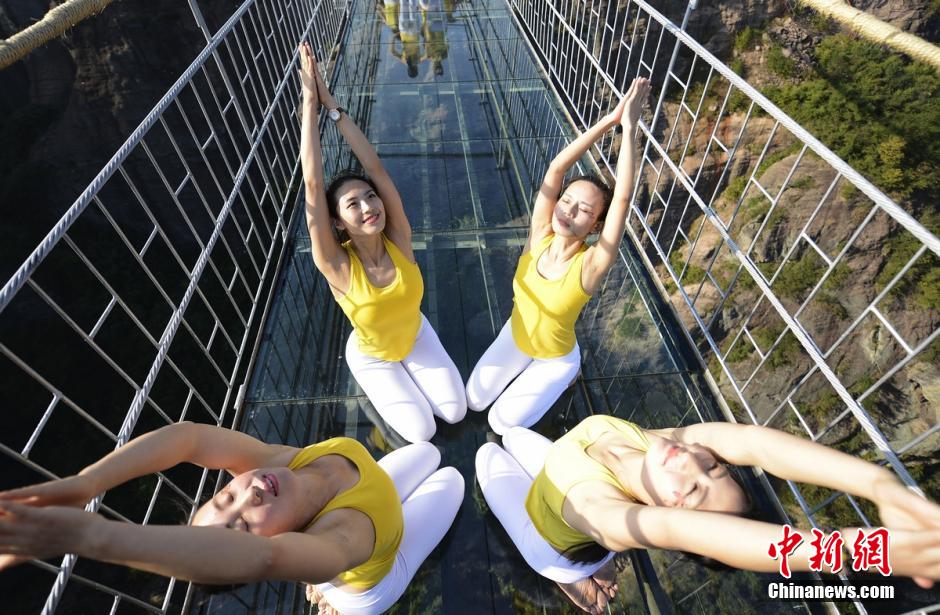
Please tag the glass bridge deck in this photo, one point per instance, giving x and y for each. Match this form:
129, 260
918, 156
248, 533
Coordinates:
463, 120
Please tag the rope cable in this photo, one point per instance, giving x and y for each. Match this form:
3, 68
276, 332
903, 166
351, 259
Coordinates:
54, 23
878, 31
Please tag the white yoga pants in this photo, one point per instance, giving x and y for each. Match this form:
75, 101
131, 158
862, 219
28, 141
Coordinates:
505, 476
539, 384
430, 501
408, 394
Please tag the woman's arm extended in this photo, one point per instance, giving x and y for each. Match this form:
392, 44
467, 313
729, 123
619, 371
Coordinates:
205, 445
742, 543
787, 456
397, 226
201, 554
328, 255
598, 260
803, 461
549, 191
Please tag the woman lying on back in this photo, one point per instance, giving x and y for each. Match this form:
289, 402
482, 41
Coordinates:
326, 514
608, 486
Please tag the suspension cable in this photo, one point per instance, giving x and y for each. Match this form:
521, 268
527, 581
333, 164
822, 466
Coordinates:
878, 31
54, 23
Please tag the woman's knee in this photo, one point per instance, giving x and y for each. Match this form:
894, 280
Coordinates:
515, 435
477, 398
429, 455
453, 483
499, 422
417, 433
415, 429
487, 463
453, 411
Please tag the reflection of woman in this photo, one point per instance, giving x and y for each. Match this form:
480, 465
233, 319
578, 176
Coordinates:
394, 354
555, 277
608, 486
409, 33
327, 513
435, 38
390, 14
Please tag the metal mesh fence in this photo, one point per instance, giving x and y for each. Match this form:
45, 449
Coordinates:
805, 289
141, 307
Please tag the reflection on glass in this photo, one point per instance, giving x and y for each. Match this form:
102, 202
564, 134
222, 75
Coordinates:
414, 21
435, 40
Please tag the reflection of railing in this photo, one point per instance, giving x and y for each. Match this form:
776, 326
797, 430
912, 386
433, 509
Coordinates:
161, 271
760, 233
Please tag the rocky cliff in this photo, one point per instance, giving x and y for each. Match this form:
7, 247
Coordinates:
778, 51
69, 105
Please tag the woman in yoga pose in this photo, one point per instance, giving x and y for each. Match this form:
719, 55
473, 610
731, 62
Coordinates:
556, 276
326, 514
607, 486
394, 354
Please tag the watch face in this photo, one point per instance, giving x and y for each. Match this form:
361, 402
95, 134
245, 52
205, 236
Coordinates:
334, 114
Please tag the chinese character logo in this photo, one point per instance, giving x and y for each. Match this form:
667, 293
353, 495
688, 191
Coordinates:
868, 550
871, 550
826, 551
783, 549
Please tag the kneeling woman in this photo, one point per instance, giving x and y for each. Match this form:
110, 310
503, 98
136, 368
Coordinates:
394, 354
326, 514
556, 276
608, 486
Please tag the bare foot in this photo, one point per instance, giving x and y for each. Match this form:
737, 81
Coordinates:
324, 608
587, 594
606, 578
313, 595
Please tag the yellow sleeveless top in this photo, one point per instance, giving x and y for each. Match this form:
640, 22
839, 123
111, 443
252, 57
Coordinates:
391, 15
374, 495
386, 320
544, 311
566, 465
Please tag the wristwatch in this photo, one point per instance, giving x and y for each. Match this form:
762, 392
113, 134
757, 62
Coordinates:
335, 114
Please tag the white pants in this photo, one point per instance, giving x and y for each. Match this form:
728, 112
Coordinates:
539, 384
505, 477
430, 501
408, 394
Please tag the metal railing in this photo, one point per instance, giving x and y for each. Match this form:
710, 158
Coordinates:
156, 280
758, 235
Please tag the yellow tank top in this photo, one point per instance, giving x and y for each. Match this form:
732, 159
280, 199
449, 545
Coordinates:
374, 495
386, 320
391, 15
566, 465
544, 311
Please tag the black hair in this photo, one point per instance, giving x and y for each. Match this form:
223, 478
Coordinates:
332, 195
600, 184
586, 553
332, 190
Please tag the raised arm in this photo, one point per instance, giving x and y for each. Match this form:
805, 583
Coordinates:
397, 226
742, 543
205, 445
804, 461
545, 200
601, 256
328, 256
202, 554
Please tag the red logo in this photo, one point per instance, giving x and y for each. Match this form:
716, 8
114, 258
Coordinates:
868, 551
783, 549
871, 550
827, 551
